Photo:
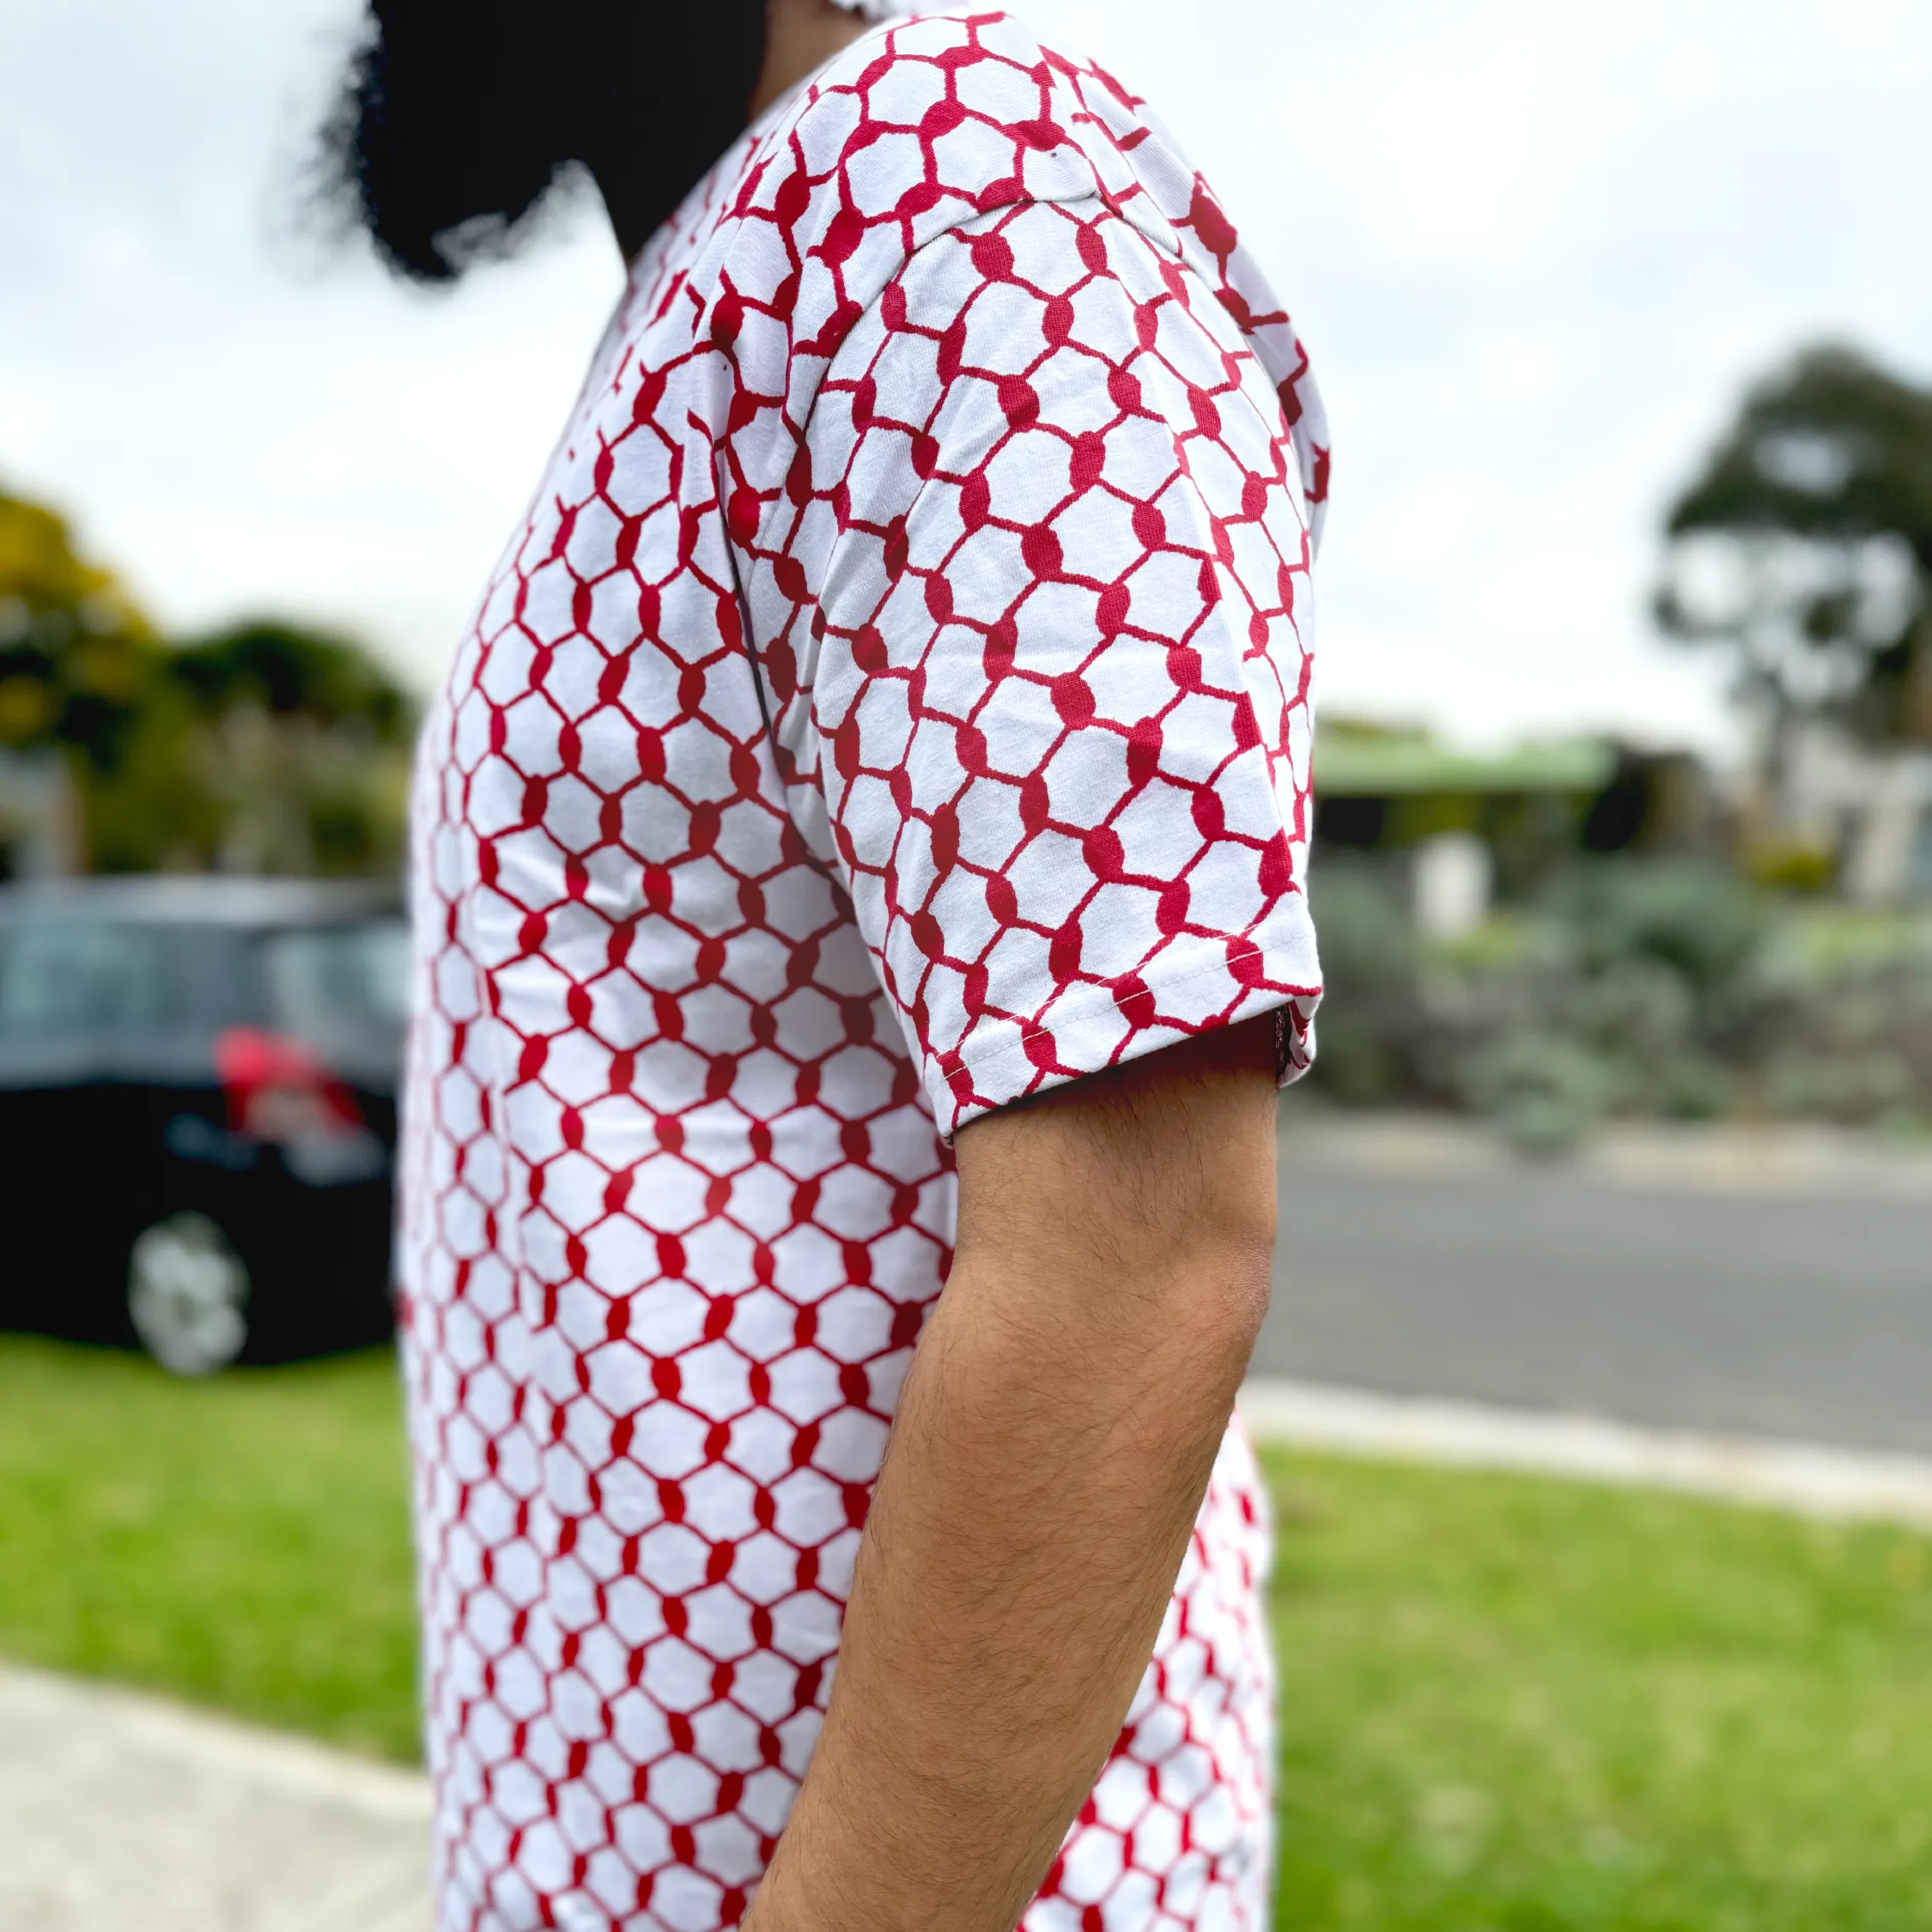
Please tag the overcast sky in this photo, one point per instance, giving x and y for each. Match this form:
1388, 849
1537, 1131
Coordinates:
1536, 250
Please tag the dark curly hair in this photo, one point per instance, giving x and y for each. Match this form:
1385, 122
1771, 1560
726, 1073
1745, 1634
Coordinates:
458, 118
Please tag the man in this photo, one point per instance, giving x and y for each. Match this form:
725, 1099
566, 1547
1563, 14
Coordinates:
884, 746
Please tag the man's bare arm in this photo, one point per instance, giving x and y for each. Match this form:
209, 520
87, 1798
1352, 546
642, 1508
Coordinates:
1050, 1453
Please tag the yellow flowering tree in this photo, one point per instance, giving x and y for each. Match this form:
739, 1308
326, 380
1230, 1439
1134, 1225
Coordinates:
264, 747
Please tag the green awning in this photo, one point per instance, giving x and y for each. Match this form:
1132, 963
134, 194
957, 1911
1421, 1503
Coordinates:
1350, 764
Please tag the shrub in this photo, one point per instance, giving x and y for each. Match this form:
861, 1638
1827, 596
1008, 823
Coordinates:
1629, 987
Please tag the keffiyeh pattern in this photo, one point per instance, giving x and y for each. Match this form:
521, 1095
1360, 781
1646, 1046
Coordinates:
897, 701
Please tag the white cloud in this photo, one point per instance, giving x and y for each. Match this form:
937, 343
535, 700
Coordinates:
1536, 252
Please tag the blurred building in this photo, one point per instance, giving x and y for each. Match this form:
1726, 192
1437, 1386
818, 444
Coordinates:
40, 817
1866, 811
1468, 827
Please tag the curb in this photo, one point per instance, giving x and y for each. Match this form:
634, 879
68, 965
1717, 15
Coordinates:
1786, 1160
1805, 1479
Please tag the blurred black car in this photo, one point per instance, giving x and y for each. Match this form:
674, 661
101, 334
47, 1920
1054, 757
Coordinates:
197, 1114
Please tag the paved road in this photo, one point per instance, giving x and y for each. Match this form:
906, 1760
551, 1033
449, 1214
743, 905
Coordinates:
1798, 1303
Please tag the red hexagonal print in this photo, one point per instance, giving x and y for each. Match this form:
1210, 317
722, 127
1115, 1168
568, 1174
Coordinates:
895, 702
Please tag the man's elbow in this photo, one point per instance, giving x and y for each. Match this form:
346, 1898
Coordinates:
1233, 1289
1215, 1283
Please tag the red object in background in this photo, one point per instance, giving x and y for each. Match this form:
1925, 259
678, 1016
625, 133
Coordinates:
279, 1091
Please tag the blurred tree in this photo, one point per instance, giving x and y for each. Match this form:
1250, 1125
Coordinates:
1805, 547
262, 747
287, 672
302, 740
76, 654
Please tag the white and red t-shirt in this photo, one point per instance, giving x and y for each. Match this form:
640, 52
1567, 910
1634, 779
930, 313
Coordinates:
897, 702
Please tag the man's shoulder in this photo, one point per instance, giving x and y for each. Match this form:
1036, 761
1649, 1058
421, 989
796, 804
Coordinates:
987, 63
930, 122
927, 124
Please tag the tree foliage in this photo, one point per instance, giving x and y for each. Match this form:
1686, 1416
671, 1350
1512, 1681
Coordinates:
1805, 547
265, 746
75, 651
286, 671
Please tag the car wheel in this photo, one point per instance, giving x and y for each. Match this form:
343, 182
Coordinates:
186, 1290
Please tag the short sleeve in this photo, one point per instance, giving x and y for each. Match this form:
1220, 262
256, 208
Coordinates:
1058, 704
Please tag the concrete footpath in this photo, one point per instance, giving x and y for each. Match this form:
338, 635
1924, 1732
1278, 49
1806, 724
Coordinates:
123, 1814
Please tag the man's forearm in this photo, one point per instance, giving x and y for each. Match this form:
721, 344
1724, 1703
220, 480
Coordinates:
1050, 1455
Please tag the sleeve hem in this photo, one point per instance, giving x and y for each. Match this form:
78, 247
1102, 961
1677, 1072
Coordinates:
1274, 968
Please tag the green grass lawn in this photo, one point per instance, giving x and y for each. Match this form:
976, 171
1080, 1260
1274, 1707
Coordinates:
1509, 1705
1513, 1705
243, 1542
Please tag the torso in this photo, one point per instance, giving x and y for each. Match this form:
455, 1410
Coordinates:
676, 1198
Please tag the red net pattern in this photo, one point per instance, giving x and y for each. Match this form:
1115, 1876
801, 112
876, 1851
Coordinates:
895, 701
